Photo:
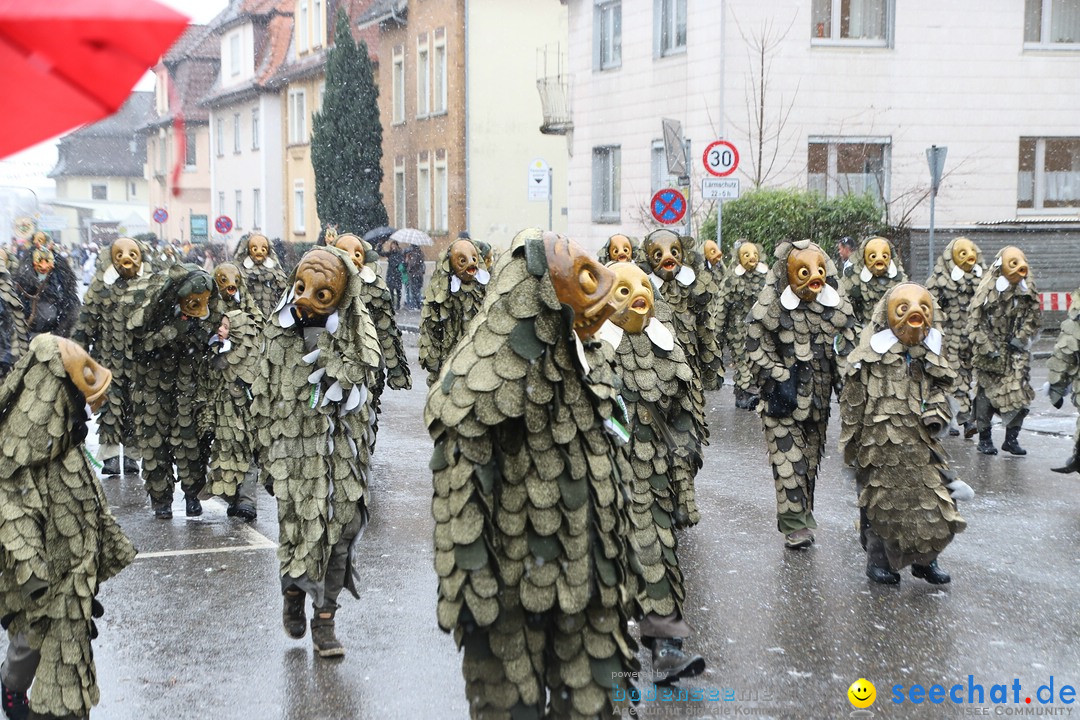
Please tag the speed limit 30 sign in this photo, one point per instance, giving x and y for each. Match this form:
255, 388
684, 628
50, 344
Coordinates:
721, 158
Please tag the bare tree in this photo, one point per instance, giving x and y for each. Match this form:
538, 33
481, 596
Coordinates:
772, 143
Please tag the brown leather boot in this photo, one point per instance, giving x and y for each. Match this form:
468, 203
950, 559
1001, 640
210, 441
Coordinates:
322, 634
292, 614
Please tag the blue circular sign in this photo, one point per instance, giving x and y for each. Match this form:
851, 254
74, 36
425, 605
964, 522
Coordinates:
223, 224
668, 206
161, 215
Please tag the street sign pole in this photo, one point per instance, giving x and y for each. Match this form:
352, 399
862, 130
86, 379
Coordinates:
719, 222
551, 201
935, 157
689, 191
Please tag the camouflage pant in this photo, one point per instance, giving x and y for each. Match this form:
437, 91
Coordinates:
985, 411
546, 665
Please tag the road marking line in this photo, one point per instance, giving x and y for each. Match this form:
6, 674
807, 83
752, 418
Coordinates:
205, 551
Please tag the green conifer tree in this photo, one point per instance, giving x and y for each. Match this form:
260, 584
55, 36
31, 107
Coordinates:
346, 139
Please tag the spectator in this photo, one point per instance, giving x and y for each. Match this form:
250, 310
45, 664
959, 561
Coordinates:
843, 249
414, 263
395, 267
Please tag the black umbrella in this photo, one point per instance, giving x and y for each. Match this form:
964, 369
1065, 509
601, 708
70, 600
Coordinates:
379, 234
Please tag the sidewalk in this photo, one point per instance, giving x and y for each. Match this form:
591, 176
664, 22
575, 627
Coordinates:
408, 320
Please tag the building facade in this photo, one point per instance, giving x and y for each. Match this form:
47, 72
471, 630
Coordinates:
834, 95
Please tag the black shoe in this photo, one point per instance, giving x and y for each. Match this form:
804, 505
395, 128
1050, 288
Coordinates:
670, 663
1011, 444
131, 466
986, 443
1071, 465
243, 512
930, 573
322, 635
800, 539
16, 704
192, 506
111, 466
163, 511
970, 430
954, 432
882, 575
292, 613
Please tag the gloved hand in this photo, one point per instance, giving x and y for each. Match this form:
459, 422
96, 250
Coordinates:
1018, 345
1056, 400
960, 490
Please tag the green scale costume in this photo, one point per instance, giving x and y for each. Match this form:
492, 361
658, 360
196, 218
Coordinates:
1003, 321
449, 305
738, 293
794, 346
171, 352
953, 288
13, 326
893, 408
102, 329
59, 539
863, 288
315, 423
529, 503
265, 280
1064, 372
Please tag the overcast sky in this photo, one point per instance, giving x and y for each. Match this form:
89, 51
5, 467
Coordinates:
31, 167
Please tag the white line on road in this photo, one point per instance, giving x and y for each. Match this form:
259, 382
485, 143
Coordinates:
206, 551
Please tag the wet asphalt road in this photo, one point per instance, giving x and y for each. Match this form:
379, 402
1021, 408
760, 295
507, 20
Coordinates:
192, 629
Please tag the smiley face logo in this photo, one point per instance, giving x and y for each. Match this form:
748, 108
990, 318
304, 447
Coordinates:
862, 693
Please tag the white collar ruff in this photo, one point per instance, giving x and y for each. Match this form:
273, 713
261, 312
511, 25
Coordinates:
660, 336
884, 340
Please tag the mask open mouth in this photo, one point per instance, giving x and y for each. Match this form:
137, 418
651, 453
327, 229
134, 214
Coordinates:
916, 320
471, 270
669, 265
639, 305
815, 285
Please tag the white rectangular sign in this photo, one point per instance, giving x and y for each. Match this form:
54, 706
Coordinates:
720, 188
539, 184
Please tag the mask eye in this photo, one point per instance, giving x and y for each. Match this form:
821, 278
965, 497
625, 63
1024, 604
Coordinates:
324, 296
804, 273
299, 287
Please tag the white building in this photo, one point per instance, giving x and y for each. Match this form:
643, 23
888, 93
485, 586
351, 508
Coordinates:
855, 91
245, 119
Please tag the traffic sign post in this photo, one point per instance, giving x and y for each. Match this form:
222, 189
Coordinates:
540, 178
668, 206
721, 159
935, 157
161, 215
223, 224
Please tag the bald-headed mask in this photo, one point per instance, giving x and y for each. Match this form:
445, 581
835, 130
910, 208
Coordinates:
911, 313
620, 249
320, 284
964, 254
748, 256
806, 273
877, 255
665, 252
581, 283
258, 248
633, 298
227, 279
126, 257
90, 378
464, 260
712, 252
1014, 265
352, 245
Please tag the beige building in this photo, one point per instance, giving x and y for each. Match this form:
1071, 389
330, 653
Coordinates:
181, 184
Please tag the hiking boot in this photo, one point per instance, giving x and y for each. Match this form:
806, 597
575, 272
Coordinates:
244, 512
292, 614
322, 634
881, 575
163, 510
800, 539
1011, 445
670, 662
1072, 464
986, 443
111, 466
192, 506
970, 430
131, 465
930, 573
16, 704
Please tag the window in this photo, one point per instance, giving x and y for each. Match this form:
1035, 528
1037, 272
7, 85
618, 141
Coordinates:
1049, 173
849, 166
99, 192
190, 148
1052, 22
321, 97
239, 209
131, 192
442, 194
399, 192
423, 77
254, 128
256, 208
236, 132
605, 184
852, 22
234, 54
670, 26
297, 117
399, 85
219, 137
423, 193
302, 25
298, 206
607, 35
319, 22
438, 96
221, 202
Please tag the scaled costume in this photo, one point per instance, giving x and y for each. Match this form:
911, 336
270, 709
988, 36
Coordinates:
262, 271
738, 293
452, 299
59, 539
957, 273
618, 248
893, 410
172, 333
1064, 372
529, 506
49, 292
118, 286
875, 269
1003, 321
13, 333
315, 421
797, 330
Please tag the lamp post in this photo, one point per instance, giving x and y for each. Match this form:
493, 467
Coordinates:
935, 156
